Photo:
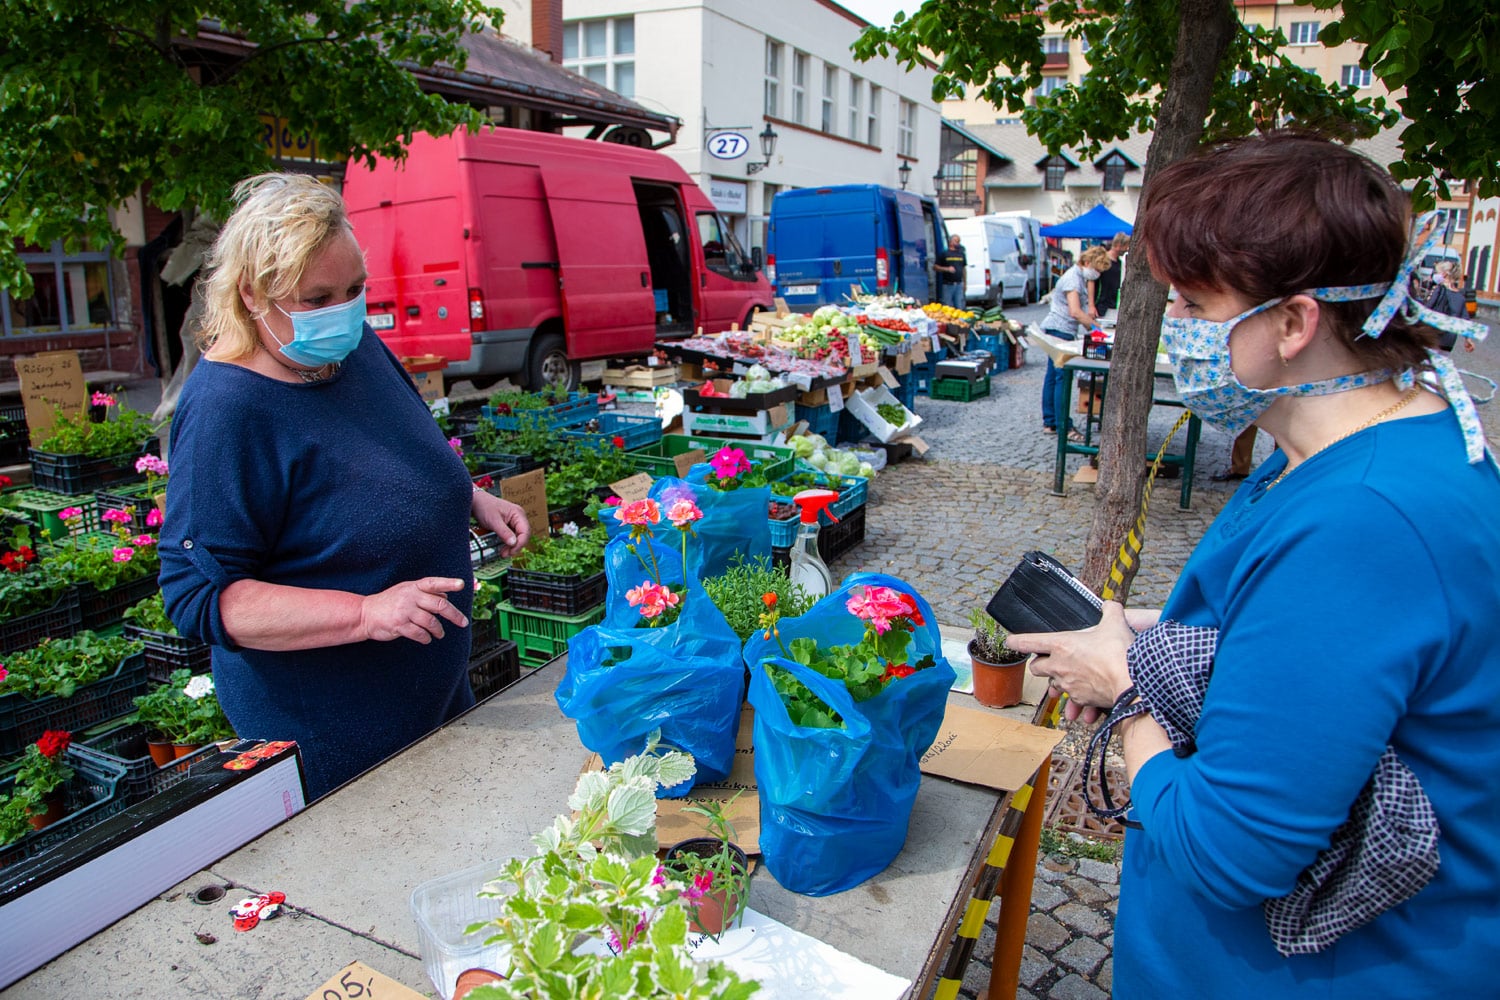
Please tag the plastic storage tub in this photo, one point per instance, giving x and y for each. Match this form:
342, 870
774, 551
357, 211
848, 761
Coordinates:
443, 907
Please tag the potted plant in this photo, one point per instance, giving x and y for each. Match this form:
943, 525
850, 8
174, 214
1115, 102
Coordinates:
58, 668
714, 869
37, 796
181, 715
750, 589
78, 454
113, 569
36, 602
999, 672
593, 914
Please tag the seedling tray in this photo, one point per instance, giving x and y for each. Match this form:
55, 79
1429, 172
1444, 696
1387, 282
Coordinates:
136, 495
166, 652
102, 608
41, 508
126, 745
580, 406
634, 431
92, 794
22, 720
76, 475
58, 622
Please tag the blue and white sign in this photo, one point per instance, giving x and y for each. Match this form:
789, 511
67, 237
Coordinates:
727, 145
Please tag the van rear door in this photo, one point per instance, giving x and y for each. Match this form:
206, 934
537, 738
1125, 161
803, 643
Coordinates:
917, 249
607, 303
417, 296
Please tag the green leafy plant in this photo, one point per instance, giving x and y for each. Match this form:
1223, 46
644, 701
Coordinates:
892, 413
486, 600
58, 667
123, 431
579, 555
595, 878
989, 640
748, 589
517, 400
720, 871
105, 559
184, 710
150, 615
43, 770
571, 483
28, 584
733, 471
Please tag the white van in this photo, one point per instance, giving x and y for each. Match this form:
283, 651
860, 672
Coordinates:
992, 253
1039, 277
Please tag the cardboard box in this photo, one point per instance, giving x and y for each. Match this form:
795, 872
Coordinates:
640, 376
982, 748
429, 384
756, 424
863, 405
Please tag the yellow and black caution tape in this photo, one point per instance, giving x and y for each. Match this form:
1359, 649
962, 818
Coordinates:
1130, 549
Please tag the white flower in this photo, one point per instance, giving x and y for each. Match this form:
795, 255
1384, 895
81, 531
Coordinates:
570, 529
199, 686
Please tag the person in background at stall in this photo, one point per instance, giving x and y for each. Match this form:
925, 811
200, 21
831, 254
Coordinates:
1105, 292
951, 264
1347, 616
1450, 298
317, 526
1068, 319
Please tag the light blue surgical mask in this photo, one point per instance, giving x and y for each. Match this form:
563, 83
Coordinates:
323, 336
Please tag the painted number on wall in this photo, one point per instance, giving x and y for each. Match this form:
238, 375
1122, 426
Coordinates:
727, 145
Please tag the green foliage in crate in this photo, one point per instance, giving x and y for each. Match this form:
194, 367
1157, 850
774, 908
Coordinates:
745, 590
28, 584
151, 615
105, 560
184, 710
123, 431
486, 600
43, 770
58, 667
518, 400
566, 554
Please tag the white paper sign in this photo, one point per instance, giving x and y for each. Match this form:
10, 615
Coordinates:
937, 345
835, 398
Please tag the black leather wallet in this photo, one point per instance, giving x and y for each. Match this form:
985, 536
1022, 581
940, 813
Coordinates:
1040, 595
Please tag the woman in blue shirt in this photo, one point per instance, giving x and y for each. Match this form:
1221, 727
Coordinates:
1353, 610
317, 523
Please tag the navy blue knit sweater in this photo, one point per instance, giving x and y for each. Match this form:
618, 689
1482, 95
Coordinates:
346, 485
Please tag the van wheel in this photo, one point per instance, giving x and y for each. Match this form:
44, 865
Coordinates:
548, 364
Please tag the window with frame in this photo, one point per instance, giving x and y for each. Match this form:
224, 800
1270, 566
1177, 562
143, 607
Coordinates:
906, 129
1054, 43
602, 50
958, 173
773, 78
1353, 76
1460, 219
1056, 173
799, 87
872, 117
1114, 172
721, 251
71, 293
856, 86
1304, 33
829, 122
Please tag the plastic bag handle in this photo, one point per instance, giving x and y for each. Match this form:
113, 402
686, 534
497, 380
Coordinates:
834, 693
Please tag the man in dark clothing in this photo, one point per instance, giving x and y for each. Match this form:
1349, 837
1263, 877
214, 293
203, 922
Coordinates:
950, 267
1107, 288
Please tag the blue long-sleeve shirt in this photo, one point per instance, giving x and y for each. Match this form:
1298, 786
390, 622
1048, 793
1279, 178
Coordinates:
345, 485
1358, 604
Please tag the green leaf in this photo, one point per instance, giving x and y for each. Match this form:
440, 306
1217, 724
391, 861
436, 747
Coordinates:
632, 811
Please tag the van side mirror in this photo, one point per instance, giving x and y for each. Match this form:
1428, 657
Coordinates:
757, 257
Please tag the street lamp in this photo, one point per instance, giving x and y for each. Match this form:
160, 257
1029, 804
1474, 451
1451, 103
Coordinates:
905, 172
767, 147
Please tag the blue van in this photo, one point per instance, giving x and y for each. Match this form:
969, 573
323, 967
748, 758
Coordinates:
821, 241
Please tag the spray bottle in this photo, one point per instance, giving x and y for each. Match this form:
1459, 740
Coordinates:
807, 567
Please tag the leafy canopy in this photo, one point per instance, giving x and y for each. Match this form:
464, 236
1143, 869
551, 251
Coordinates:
101, 97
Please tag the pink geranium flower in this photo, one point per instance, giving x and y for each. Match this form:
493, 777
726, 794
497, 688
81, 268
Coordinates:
153, 518
729, 462
70, 513
683, 513
101, 399
116, 516
124, 554
151, 464
877, 605
639, 512
457, 446
142, 540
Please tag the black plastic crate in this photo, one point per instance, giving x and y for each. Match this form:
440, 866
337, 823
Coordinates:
78, 474
560, 517
102, 608
494, 671
563, 595
58, 622
836, 540
166, 652
126, 745
484, 637
23, 721
135, 496
92, 794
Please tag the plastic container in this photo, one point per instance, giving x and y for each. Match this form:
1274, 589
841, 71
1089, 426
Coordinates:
125, 745
443, 908
579, 407
494, 671
635, 431
79, 474
134, 495
100, 609
41, 508
58, 622
960, 389
93, 794
864, 406
166, 652
837, 540
540, 636
551, 592
23, 721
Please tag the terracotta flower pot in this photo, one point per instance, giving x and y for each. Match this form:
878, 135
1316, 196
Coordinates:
998, 685
163, 752
714, 912
55, 807
470, 979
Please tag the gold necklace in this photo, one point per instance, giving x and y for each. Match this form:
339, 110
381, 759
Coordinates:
1394, 408
320, 374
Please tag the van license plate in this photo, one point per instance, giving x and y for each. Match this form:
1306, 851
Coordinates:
382, 321
802, 289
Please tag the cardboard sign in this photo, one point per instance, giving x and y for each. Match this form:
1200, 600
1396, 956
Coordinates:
889, 379
918, 351
981, 748
429, 384
357, 981
687, 460
835, 398
903, 363
50, 382
529, 492
782, 309
917, 444
633, 488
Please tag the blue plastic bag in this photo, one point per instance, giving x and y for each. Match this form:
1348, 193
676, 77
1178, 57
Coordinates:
732, 522
835, 803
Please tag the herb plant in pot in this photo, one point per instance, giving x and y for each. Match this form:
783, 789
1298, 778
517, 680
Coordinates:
714, 869
999, 672
181, 715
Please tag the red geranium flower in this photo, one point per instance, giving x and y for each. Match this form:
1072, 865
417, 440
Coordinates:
618, 442
911, 608
54, 743
895, 670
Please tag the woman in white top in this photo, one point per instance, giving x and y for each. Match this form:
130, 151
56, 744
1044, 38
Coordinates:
1070, 307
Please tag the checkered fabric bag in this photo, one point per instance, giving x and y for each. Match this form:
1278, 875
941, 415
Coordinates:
1382, 855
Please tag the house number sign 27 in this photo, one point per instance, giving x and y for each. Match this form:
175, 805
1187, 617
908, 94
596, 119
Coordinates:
727, 145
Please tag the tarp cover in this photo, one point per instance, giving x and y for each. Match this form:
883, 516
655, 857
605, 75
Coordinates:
1098, 223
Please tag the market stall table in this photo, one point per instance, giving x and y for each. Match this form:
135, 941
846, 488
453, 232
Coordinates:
477, 790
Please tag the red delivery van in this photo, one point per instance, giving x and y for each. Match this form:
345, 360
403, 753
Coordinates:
519, 253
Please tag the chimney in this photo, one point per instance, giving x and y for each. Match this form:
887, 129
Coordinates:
547, 27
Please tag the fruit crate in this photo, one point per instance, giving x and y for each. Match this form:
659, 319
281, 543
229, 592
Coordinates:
58, 622
135, 495
540, 636
92, 794
22, 720
167, 651
960, 389
77, 475
124, 743
43, 507
579, 407
633, 431
102, 608
494, 671
554, 593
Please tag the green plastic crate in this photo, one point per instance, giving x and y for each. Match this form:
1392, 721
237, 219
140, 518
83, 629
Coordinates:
540, 636
657, 458
41, 508
960, 389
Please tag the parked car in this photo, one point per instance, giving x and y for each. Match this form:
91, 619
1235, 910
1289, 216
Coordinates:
1035, 256
993, 252
518, 253
823, 242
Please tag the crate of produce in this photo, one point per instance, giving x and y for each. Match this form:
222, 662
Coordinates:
43, 508
960, 389
836, 540
58, 622
23, 720
102, 608
539, 635
134, 497
720, 401
579, 406
124, 742
865, 406
554, 593
495, 670
91, 795
785, 518
168, 651
660, 459
623, 430
852, 490
77, 475
822, 420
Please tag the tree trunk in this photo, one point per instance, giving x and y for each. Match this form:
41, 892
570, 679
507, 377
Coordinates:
1204, 29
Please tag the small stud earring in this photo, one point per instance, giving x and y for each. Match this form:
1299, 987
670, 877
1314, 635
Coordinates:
1284, 361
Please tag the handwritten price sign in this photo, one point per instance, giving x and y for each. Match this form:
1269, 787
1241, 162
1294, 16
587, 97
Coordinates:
357, 981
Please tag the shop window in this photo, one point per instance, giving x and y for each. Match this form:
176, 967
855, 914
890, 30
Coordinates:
71, 294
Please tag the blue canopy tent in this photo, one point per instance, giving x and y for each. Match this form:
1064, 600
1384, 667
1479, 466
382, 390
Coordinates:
1098, 223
